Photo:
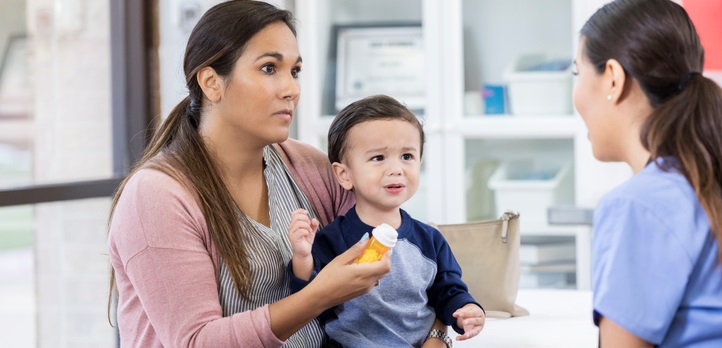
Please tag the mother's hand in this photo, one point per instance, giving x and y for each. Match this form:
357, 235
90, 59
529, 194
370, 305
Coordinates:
342, 279
338, 282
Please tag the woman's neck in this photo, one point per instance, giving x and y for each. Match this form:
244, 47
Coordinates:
235, 155
636, 109
638, 159
635, 154
240, 164
242, 173
237, 163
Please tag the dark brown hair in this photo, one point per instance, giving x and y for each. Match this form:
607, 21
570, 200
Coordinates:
217, 41
657, 45
377, 107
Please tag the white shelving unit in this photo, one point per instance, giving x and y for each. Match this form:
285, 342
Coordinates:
467, 43
512, 127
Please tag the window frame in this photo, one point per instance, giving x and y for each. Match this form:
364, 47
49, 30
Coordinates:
134, 61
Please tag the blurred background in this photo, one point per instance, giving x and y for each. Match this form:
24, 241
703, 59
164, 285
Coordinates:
83, 81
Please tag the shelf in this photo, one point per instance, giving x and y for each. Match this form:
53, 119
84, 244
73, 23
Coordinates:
509, 126
561, 231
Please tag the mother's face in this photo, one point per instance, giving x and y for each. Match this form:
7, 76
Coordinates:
261, 93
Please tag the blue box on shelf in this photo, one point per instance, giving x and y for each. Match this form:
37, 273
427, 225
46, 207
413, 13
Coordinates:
494, 99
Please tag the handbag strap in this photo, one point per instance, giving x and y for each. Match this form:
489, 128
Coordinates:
508, 215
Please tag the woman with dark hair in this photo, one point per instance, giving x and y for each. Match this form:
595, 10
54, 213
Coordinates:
657, 267
197, 239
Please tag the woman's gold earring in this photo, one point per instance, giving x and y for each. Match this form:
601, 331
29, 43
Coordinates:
609, 97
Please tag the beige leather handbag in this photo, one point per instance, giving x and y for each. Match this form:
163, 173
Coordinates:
488, 253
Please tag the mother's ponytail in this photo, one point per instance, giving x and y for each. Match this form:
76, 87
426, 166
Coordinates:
162, 137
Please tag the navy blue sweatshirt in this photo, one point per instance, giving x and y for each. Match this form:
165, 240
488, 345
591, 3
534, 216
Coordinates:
424, 283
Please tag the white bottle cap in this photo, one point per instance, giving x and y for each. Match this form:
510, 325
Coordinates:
386, 235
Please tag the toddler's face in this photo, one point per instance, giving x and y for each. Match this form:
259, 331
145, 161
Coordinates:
383, 162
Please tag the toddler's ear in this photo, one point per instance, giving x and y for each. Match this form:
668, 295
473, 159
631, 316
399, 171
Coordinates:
343, 175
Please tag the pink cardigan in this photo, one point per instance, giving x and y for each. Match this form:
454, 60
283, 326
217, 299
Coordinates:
165, 261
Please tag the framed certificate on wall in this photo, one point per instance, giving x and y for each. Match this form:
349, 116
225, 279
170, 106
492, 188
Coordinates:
380, 59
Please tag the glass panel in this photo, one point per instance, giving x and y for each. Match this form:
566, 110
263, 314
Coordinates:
54, 267
55, 126
517, 81
17, 270
503, 44
72, 273
15, 96
547, 262
55, 109
526, 175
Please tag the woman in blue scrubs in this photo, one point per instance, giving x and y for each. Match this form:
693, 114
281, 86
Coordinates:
657, 267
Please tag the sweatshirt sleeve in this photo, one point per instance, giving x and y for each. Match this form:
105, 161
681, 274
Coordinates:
168, 289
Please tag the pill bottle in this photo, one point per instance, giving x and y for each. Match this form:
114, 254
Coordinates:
383, 238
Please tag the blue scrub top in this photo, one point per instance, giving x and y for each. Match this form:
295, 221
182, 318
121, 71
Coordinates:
655, 270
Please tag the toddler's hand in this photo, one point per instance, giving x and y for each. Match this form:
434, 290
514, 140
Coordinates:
471, 318
301, 233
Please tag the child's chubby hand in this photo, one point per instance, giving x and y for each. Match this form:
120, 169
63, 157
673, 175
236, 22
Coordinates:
471, 318
301, 233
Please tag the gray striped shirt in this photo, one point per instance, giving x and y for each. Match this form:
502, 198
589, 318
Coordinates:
270, 252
